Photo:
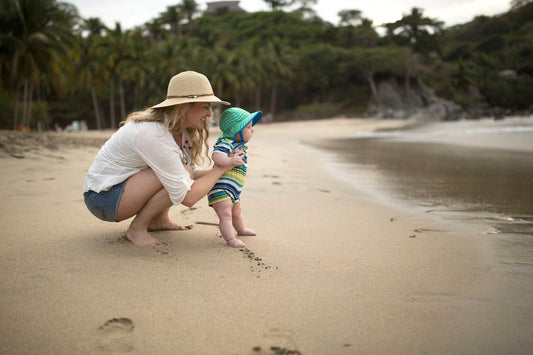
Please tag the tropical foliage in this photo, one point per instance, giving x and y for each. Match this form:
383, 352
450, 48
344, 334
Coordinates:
56, 67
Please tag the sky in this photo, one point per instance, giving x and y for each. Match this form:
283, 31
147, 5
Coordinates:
132, 13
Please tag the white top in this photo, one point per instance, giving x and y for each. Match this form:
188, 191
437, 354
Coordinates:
135, 147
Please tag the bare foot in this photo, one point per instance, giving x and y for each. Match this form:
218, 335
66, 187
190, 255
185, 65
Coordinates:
236, 243
164, 225
140, 237
246, 231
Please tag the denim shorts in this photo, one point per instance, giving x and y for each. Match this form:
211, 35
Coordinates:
104, 204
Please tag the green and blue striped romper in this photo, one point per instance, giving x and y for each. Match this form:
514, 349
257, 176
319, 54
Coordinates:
230, 185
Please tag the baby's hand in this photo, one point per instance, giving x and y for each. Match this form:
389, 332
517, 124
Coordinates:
239, 152
236, 161
228, 162
236, 157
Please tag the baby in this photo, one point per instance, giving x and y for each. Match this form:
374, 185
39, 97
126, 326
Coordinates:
237, 129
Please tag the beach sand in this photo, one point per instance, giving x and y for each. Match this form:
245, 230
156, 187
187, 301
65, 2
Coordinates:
331, 270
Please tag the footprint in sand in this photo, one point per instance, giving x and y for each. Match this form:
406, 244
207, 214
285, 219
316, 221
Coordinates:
257, 263
283, 340
116, 336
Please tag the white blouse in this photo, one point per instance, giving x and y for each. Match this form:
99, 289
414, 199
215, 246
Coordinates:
135, 147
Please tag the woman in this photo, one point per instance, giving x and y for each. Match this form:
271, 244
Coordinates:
149, 164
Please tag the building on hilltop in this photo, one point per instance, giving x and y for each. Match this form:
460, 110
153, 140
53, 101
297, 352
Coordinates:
221, 7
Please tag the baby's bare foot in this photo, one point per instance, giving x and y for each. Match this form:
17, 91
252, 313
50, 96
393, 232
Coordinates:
140, 237
236, 243
164, 225
246, 231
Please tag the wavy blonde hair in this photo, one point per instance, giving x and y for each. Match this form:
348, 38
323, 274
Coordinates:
173, 119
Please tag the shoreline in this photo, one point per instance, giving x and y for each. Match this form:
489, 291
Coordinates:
331, 270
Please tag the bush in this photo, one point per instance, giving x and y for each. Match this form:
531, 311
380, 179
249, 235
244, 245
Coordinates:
317, 110
513, 93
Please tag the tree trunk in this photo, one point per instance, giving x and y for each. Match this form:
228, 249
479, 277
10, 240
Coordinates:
370, 78
16, 109
96, 110
273, 100
25, 103
178, 31
408, 88
122, 100
112, 102
30, 100
28, 95
258, 97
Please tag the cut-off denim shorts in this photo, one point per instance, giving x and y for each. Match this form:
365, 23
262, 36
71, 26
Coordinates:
104, 204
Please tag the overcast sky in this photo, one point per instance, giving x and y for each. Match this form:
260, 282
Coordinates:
132, 13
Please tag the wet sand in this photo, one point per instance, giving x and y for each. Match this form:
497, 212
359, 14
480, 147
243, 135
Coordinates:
440, 177
333, 270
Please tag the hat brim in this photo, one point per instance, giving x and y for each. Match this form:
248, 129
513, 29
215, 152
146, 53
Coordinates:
184, 100
256, 117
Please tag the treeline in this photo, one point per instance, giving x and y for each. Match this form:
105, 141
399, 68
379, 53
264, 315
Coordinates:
56, 67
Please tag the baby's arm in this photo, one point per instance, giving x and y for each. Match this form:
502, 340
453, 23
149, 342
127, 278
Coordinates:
234, 158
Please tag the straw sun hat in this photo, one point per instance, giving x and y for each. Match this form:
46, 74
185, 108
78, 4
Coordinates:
189, 86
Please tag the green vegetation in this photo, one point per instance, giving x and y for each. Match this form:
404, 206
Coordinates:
56, 67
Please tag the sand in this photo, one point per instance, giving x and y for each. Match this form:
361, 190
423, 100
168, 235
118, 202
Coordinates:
331, 271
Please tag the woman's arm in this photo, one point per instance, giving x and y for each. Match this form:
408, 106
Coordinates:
199, 173
202, 185
208, 178
221, 160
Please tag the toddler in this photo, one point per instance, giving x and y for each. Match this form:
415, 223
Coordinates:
237, 129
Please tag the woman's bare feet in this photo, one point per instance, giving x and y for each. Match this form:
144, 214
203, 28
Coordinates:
158, 224
140, 237
246, 231
236, 243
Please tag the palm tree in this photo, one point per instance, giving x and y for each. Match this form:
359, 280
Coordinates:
349, 17
135, 68
87, 70
189, 8
39, 36
416, 31
172, 17
258, 69
94, 26
91, 55
277, 61
219, 61
117, 47
155, 29
278, 4
304, 10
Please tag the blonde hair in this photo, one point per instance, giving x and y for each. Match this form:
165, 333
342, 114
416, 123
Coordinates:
173, 119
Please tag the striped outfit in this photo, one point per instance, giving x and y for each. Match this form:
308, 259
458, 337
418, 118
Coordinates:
230, 185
